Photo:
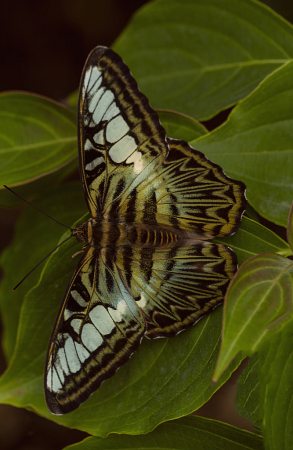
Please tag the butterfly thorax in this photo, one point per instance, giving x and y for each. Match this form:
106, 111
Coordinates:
98, 233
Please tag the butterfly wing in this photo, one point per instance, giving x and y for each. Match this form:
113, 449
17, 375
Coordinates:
175, 286
121, 140
97, 329
188, 192
128, 174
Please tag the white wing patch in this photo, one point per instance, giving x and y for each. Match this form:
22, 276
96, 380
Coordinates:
90, 337
142, 302
68, 314
60, 372
116, 129
99, 137
102, 320
67, 360
61, 362
111, 112
116, 316
136, 159
122, 149
53, 381
91, 77
95, 99
96, 162
82, 352
88, 145
76, 324
104, 104
72, 358
121, 307
78, 298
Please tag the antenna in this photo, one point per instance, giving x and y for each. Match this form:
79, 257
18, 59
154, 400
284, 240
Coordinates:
49, 218
41, 262
37, 208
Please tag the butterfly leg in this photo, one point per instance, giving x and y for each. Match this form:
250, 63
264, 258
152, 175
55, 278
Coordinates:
81, 251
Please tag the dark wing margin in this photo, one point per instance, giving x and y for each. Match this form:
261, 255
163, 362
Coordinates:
175, 286
97, 329
121, 140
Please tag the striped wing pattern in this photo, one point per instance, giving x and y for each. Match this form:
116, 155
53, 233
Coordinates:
175, 286
121, 140
188, 192
160, 274
97, 329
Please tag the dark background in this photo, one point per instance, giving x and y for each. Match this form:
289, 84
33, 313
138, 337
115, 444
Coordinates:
43, 47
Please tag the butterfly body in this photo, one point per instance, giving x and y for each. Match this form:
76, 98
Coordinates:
150, 268
107, 233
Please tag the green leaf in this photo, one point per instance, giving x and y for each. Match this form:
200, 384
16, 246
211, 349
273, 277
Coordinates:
181, 126
202, 57
188, 433
258, 303
248, 391
253, 238
255, 145
72, 100
38, 136
37, 188
161, 381
290, 228
35, 237
265, 393
276, 390
251, 213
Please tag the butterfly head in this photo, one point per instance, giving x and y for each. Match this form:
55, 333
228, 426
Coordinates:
80, 232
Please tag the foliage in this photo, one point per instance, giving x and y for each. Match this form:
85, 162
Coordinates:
196, 58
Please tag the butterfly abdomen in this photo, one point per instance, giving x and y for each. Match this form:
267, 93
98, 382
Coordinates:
105, 233
142, 235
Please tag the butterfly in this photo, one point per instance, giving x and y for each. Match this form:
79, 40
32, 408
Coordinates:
149, 268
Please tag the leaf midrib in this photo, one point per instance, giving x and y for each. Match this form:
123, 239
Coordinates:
37, 145
201, 70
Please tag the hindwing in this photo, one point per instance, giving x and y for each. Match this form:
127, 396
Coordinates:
175, 286
97, 329
188, 192
121, 140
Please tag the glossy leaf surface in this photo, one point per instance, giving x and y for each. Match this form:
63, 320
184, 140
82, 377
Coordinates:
38, 136
258, 304
181, 126
35, 237
276, 390
202, 57
188, 433
248, 391
255, 145
38, 188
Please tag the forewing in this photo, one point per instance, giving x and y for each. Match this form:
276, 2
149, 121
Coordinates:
97, 329
175, 286
188, 192
121, 140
